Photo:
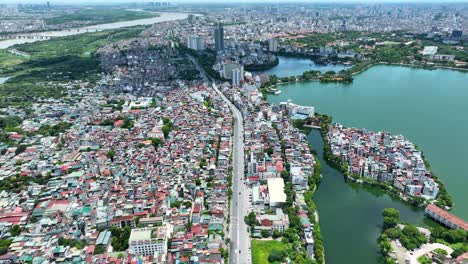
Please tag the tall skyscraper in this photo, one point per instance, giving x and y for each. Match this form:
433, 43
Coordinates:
219, 37
457, 34
191, 18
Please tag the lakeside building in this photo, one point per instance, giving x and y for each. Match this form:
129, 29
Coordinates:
385, 158
273, 44
297, 111
442, 57
446, 218
429, 50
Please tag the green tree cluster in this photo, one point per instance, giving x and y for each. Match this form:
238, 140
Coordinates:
156, 142
265, 233
99, 249
10, 121
4, 245
110, 154
452, 236
15, 230
120, 237
54, 130
202, 162
79, 244
17, 183
277, 255
167, 126
251, 220
391, 217
20, 149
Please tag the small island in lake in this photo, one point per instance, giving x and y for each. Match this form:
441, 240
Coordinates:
389, 161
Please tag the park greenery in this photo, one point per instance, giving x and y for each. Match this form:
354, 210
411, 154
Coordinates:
411, 238
54, 62
17, 183
55, 130
206, 58
409, 235
262, 249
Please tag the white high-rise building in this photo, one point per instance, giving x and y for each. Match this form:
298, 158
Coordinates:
236, 77
148, 241
195, 42
273, 45
228, 68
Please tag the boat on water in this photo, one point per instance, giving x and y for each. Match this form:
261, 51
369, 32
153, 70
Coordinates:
273, 91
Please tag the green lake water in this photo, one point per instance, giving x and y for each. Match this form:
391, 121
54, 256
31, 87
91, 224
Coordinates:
296, 66
430, 107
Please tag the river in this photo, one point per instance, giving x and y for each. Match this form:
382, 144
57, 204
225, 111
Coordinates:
288, 66
4, 79
163, 16
427, 106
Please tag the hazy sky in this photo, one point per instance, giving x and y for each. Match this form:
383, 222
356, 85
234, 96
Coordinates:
220, 1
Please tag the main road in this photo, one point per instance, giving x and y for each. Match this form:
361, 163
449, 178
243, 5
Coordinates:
239, 237
239, 250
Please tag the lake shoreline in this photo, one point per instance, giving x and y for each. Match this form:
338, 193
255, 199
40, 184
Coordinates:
296, 80
439, 88
425, 67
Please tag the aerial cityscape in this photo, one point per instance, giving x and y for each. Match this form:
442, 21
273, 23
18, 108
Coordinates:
242, 132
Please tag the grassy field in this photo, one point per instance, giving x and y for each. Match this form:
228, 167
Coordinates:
7, 59
262, 248
77, 45
99, 16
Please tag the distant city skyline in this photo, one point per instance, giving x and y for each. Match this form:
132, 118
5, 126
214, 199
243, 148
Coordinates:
234, 2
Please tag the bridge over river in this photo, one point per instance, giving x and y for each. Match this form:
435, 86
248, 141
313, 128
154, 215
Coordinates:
8, 40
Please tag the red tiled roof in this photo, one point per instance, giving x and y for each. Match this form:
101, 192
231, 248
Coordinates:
16, 136
90, 249
13, 217
196, 208
450, 217
118, 123
462, 257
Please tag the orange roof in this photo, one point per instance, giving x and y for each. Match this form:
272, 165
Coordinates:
446, 215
